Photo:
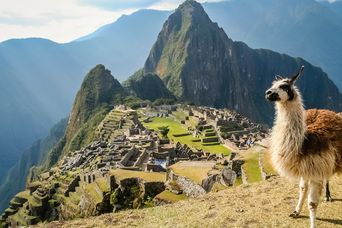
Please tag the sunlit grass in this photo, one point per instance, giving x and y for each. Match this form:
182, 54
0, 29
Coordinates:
171, 197
147, 176
178, 128
251, 166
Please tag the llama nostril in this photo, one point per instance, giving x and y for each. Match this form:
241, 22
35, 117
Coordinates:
268, 92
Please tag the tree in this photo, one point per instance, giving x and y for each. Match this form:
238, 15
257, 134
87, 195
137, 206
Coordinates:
164, 130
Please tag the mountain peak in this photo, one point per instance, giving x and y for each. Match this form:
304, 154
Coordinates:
179, 36
98, 88
190, 6
192, 11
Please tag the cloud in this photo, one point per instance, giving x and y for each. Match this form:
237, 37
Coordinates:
114, 5
61, 21
66, 20
120, 4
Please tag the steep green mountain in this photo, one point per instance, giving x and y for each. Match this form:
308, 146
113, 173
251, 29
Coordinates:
99, 88
147, 86
199, 63
98, 94
15, 180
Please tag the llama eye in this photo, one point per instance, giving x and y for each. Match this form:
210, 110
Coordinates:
285, 87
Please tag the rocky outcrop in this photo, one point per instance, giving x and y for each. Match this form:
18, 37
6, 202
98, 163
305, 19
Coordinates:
147, 86
134, 193
189, 187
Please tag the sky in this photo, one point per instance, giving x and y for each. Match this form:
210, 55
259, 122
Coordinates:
66, 20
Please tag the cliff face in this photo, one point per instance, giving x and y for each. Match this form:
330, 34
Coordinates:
147, 86
199, 63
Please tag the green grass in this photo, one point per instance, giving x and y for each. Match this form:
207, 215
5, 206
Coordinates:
251, 166
24, 194
218, 187
192, 122
20, 217
90, 189
178, 128
171, 197
194, 172
74, 198
266, 161
147, 176
238, 181
180, 115
102, 183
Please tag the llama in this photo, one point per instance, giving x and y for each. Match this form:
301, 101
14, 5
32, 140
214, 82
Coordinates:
305, 145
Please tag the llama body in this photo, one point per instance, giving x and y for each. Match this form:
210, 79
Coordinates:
304, 145
313, 157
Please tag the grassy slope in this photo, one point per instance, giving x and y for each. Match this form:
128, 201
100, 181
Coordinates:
171, 197
177, 128
194, 171
251, 166
266, 204
147, 176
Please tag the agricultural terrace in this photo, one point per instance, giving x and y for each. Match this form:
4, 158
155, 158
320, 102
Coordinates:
176, 128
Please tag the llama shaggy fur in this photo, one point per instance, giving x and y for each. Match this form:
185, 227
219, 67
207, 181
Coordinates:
305, 145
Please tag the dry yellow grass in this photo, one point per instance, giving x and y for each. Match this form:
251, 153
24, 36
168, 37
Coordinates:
195, 171
147, 176
264, 204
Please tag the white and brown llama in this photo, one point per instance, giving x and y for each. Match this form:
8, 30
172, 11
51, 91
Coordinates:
305, 145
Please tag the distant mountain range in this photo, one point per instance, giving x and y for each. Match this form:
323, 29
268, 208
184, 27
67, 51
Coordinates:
39, 78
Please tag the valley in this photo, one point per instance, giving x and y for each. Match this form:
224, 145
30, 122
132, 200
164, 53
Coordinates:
131, 165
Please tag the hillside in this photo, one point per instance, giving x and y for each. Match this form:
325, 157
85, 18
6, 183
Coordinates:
31, 157
147, 87
36, 91
265, 204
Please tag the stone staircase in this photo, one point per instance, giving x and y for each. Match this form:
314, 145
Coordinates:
113, 125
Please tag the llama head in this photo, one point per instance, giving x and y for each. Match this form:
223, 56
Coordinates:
283, 89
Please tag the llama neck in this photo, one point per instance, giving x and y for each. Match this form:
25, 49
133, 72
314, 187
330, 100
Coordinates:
289, 129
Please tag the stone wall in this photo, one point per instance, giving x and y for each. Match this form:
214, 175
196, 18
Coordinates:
128, 156
208, 140
72, 186
190, 188
141, 159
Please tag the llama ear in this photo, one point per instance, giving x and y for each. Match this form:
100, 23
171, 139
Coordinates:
296, 76
278, 77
